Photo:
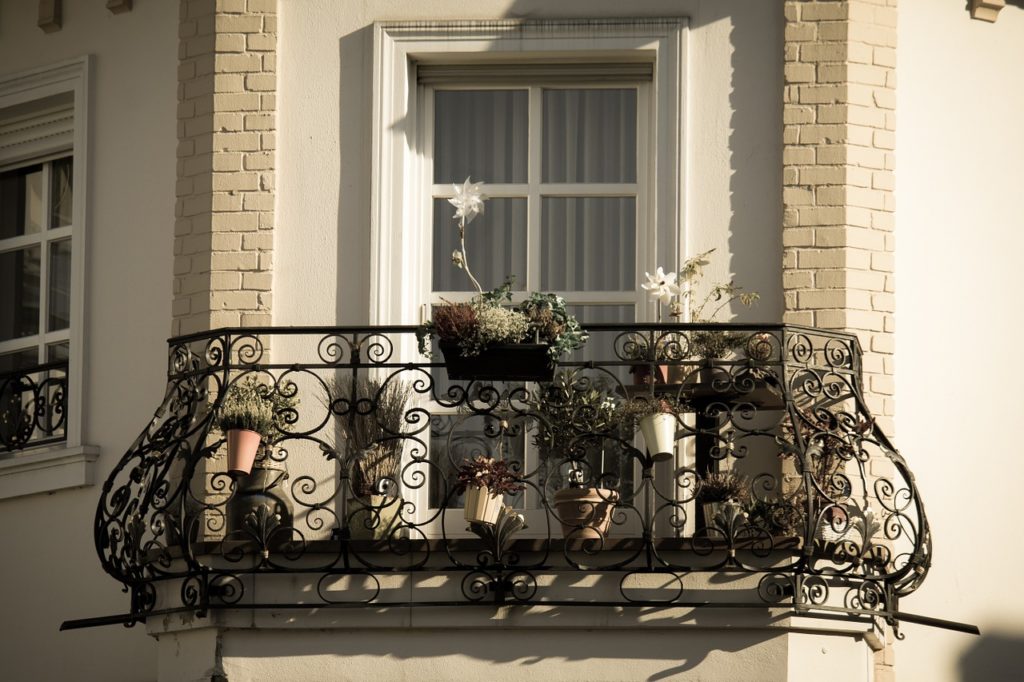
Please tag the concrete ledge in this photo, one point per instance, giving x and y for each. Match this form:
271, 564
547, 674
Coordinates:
47, 470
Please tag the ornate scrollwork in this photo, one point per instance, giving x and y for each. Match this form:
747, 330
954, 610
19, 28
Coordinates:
822, 510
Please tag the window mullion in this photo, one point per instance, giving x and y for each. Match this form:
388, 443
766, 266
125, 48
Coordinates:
533, 227
44, 258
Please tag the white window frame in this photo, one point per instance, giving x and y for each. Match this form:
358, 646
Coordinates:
534, 190
400, 279
402, 188
71, 463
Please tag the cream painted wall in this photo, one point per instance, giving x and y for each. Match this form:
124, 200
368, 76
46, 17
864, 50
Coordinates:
960, 236
322, 238
49, 572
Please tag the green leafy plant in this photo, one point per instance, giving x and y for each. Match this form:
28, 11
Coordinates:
255, 406
570, 406
682, 292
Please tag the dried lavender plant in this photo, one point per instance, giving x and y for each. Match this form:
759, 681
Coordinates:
371, 415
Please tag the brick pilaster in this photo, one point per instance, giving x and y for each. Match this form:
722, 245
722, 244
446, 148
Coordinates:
223, 247
838, 161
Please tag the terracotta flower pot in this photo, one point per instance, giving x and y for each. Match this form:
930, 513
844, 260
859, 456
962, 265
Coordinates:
585, 513
242, 447
659, 431
482, 506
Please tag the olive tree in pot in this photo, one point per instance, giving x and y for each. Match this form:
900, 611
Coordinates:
576, 415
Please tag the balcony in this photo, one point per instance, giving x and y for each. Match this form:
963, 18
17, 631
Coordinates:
776, 489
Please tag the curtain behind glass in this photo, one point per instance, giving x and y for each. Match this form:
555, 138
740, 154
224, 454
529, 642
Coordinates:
588, 243
589, 135
480, 134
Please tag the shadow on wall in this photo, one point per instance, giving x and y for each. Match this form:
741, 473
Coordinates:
994, 657
672, 651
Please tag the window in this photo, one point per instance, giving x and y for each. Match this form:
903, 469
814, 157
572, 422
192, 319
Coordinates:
42, 246
575, 129
561, 170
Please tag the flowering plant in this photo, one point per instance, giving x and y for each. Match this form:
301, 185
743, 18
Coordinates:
486, 472
488, 318
680, 291
254, 406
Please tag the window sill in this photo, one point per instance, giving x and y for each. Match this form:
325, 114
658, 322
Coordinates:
47, 470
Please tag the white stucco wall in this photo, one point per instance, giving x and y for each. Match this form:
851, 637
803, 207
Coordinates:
322, 239
960, 216
49, 572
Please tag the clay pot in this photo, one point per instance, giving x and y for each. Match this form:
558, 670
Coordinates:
585, 513
242, 447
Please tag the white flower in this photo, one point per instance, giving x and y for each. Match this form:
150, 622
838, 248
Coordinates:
661, 285
457, 259
468, 200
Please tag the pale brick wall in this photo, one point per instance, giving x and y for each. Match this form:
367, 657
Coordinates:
223, 247
838, 160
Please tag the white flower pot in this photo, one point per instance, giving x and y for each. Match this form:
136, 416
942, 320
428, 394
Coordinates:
482, 506
659, 435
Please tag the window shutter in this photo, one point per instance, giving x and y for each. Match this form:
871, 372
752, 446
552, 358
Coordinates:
533, 73
44, 128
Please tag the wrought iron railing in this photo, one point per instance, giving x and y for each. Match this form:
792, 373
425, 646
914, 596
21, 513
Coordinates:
819, 512
33, 406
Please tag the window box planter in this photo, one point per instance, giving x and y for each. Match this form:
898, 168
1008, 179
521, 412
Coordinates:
502, 362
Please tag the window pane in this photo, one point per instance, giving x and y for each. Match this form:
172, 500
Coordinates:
19, 293
589, 136
57, 351
58, 300
495, 245
19, 359
601, 345
21, 201
480, 134
588, 244
61, 193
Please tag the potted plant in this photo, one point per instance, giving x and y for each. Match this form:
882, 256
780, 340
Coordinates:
485, 481
487, 337
249, 415
371, 416
831, 441
656, 418
576, 413
680, 291
718, 489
